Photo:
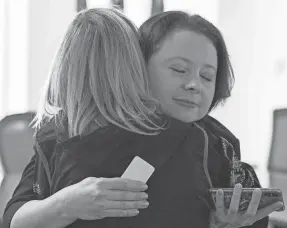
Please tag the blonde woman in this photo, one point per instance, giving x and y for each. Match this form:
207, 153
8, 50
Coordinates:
98, 77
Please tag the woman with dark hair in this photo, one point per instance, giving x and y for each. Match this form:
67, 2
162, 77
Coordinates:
191, 74
156, 30
74, 178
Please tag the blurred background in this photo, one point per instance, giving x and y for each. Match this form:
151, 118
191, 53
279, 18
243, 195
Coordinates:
255, 32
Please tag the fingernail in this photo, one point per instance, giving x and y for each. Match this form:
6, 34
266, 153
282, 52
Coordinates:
220, 192
144, 186
258, 190
136, 212
145, 196
238, 186
145, 203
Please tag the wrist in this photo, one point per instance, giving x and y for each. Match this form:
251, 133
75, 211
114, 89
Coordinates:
60, 206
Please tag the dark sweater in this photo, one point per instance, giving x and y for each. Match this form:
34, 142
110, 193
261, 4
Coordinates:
177, 190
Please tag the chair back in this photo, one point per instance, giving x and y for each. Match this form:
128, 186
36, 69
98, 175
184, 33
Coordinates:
16, 150
277, 163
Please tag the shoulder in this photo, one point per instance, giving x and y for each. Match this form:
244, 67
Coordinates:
54, 128
227, 139
218, 128
46, 132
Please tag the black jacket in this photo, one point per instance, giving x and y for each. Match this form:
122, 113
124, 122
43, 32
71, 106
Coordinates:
177, 190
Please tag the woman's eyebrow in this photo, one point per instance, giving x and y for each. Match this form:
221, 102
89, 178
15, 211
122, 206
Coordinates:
189, 61
178, 57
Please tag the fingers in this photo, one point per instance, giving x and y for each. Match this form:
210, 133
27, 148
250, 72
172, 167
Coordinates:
252, 208
254, 203
235, 201
261, 213
123, 208
126, 205
120, 213
121, 184
116, 195
220, 208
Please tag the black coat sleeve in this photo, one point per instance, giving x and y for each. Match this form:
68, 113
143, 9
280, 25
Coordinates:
22, 194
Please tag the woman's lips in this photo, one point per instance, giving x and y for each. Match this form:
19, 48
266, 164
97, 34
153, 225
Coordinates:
186, 103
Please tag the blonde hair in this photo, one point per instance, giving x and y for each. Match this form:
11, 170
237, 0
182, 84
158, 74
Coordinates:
99, 72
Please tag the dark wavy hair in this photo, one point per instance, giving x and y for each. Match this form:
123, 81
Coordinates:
154, 31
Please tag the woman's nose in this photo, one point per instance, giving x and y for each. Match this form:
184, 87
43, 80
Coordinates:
193, 84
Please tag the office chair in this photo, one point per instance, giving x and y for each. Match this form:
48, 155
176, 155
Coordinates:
16, 150
277, 163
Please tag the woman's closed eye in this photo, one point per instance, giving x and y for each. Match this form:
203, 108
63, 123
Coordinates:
180, 71
208, 75
207, 78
